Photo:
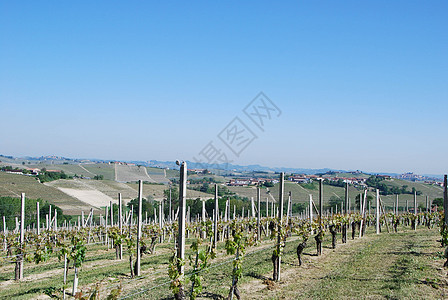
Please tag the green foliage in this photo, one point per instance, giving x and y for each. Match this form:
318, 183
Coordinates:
437, 202
377, 183
210, 189
98, 177
443, 231
46, 176
309, 186
11, 207
177, 279
268, 184
147, 207
298, 207
201, 261
338, 183
78, 251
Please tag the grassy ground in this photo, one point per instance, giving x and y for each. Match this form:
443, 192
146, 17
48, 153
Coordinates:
405, 265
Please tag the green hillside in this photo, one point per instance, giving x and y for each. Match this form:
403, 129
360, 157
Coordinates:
12, 185
300, 193
107, 170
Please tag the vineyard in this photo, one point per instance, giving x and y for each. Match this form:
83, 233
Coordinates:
264, 252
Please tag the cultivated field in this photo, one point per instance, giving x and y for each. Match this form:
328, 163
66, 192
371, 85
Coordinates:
12, 185
125, 173
403, 265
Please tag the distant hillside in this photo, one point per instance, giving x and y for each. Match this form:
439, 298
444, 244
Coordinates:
300, 193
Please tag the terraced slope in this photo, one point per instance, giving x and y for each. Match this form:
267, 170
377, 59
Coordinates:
159, 175
156, 191
126, 173
107, 170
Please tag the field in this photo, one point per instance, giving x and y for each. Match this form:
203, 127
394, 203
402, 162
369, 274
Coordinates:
12, 185
402, 265
98, 193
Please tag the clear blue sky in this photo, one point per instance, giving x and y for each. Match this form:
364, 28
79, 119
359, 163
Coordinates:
360, 84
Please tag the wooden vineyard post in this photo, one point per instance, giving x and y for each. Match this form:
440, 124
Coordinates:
19, 264
106, 213
345, 212
181, 236
252, 205
4, 234
111, 214
55, 220
139, 228
346, 199
288, 208
427, 204
169, 213
38, 217
363, 213
215, 218
445, 200
319, 235
258, 214
276, 256
49, 218
204, 232
267, 207
396, 205
377, 211
120, 224
310, 211
160, 215
415, 211
203, 212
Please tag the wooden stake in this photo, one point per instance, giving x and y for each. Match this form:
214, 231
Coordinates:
280, 220
377, 211
4, 234
216, 214
111, 214
181, 235
346, 199
445, 199
38, 217
415, 210
267, 207
258, 214
120, 222
139, 227
22, 235
288, 207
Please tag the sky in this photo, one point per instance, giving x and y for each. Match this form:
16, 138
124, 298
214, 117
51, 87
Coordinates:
346, 84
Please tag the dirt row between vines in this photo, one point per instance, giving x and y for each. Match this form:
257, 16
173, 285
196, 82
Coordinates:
392, 266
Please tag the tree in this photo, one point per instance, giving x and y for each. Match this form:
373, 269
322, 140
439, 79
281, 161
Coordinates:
298, 207
147, 207
268, 184
437, 202
335, 201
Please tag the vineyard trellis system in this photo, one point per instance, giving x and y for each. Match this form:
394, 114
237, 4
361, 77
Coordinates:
214, 241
